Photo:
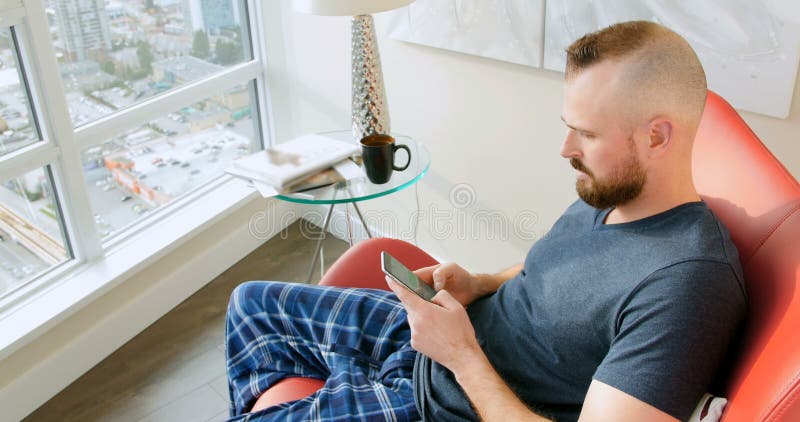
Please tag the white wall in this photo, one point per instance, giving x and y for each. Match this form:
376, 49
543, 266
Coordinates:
492, 125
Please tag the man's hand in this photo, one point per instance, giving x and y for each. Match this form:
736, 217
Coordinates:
440, 330
460, 283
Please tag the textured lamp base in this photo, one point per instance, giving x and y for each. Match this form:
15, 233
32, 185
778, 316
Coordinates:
370, 109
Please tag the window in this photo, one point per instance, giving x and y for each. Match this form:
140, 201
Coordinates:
146, 167
112, 114
17, 126
113, 54
31, 236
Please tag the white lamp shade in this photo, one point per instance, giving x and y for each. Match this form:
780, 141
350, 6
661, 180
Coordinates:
347, 7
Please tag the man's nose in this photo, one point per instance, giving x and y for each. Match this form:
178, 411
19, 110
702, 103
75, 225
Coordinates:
570, 147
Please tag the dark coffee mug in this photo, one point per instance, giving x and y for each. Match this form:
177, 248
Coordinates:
377, 152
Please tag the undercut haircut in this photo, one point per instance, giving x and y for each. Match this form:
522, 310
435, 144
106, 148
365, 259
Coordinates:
661, 72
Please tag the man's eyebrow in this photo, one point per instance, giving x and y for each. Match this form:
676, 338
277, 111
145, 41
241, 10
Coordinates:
576, 128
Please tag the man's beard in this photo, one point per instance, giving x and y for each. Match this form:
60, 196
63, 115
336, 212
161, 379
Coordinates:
624, 185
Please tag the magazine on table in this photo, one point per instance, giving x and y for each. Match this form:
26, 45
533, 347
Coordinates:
341, 171
292, 162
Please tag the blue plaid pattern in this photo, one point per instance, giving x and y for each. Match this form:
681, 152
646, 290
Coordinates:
357, 340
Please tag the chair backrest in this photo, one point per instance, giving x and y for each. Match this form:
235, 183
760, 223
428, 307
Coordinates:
759, 202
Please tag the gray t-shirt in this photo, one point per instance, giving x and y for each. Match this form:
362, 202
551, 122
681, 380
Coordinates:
648, 307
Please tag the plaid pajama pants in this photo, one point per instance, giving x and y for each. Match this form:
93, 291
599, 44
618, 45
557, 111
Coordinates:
355, 340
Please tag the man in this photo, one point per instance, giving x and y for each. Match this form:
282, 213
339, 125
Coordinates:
622, 312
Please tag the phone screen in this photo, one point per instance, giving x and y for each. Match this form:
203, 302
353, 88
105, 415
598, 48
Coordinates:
399, 272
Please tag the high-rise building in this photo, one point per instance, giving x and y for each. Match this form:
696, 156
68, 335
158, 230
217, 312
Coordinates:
210, 15
192, 16
83, 27
217, 14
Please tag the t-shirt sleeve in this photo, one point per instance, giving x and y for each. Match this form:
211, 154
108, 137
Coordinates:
672, 335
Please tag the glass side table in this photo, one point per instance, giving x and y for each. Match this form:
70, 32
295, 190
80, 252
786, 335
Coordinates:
361, 189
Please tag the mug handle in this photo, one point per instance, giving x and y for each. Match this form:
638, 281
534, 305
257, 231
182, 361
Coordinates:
408, 151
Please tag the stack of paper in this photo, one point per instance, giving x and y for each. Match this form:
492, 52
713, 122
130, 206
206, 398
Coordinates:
300, 164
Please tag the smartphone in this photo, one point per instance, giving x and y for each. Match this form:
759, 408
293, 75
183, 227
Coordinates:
397, 271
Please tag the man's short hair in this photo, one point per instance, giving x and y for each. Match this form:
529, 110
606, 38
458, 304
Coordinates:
662, 70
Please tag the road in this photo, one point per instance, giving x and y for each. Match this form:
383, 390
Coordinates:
17, 264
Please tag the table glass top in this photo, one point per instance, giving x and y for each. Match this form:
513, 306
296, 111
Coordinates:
360, 188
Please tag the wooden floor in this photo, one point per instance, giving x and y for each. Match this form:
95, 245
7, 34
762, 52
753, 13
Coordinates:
175, 369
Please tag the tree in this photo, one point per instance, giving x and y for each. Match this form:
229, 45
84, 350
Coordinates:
109, 67
149, 4
200, 46
145, 57
227, 52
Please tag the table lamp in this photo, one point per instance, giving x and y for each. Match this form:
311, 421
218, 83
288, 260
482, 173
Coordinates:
370, 110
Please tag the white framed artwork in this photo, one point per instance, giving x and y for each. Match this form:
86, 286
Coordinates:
507, 30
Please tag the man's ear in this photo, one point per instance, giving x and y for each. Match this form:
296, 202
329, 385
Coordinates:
659, 136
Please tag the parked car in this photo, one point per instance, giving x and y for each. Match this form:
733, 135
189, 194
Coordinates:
126, 198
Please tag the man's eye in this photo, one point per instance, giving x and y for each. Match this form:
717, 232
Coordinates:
587, 135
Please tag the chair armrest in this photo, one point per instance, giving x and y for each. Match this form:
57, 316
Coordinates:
286, 390
360, 265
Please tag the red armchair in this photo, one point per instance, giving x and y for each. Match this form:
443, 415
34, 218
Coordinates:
759, 202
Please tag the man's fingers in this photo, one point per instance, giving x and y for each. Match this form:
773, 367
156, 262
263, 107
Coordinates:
426, 273
428, 269
440, 277
398, 290
409, 299
444, 299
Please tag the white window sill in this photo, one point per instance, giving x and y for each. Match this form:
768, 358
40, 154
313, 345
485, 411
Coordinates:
81, 284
